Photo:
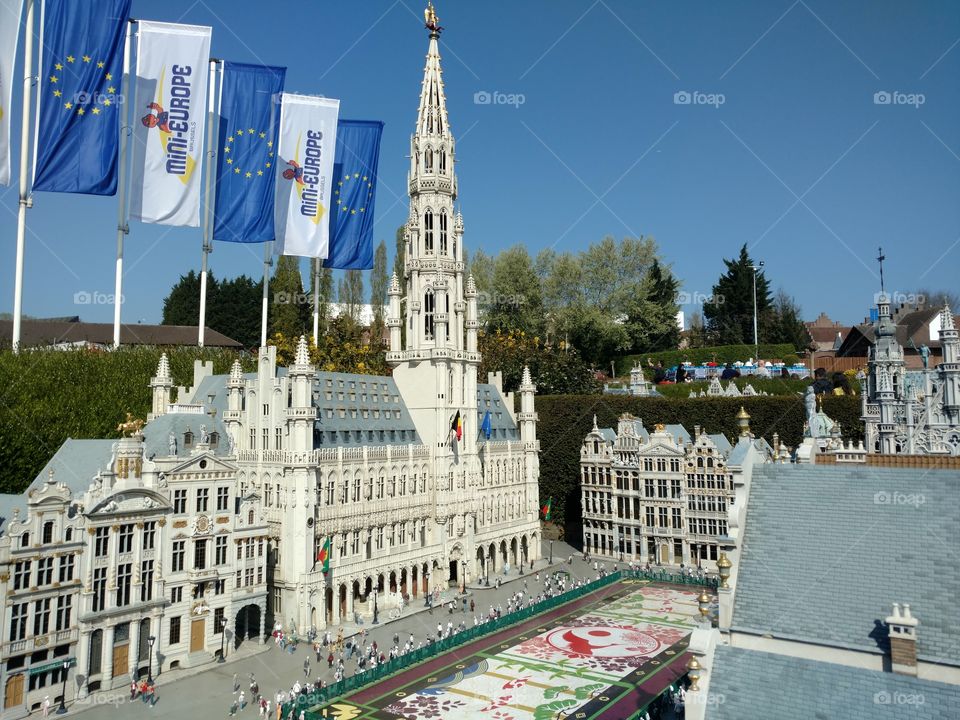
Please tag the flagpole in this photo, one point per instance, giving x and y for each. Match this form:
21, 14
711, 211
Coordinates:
316, 301
122, 227
267, 262
208, 200
25, 200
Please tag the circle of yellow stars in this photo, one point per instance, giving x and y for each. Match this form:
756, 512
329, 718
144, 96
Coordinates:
348, 179
231, 146
71, 104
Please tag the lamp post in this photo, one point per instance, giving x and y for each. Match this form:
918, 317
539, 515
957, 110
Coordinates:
486, 571
376, 615
426, 601
756, 340
223, 638
62, 710
551, 552
463, 582
150, 641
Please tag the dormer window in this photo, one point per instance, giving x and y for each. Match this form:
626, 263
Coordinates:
188, 439
25, 540
214, 439
48, 532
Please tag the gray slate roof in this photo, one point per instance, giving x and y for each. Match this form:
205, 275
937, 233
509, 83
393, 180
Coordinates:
722, 443
679, 433
750, 685
156, 433
501, 421
75, 463
828, 549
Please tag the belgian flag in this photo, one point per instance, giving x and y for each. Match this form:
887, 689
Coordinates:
457, 426
323, 555
547, 509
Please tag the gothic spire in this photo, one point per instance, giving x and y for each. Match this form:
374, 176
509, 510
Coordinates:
432, 115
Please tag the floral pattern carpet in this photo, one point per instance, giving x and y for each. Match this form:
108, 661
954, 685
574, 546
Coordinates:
601, 656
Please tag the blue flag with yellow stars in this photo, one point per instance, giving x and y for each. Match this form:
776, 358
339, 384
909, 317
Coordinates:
79, 95
355, 173
249, 121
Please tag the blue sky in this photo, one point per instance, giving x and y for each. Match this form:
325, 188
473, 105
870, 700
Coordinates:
784, 144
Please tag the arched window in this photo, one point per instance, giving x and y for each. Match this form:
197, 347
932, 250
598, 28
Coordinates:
443, 161
250, 518
188, 439
450, 384
69, 537
214, 439
428, 160
25, 540
443, 232
48, 532
428, 232
428, 310
447, 311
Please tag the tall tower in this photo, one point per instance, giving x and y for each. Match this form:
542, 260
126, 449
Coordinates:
885, 382
160, 386
436, 368
950, 367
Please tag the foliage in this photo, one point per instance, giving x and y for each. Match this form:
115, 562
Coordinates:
730, 312
553, 370
322, 281
379, 283
565, 420
350, 293
48, 396
341, 349
786, 324
289, 310
233, 306
717, 353
514, 300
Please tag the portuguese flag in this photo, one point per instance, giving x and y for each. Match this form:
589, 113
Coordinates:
323, 555
546, 509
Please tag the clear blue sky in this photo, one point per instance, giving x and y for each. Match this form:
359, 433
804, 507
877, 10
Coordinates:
799, 162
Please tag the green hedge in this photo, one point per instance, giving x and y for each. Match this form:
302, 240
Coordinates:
566, 419
718, 353
47, 396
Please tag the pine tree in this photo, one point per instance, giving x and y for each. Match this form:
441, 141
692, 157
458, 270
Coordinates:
182, 305
379, 282
729, 312
289, 305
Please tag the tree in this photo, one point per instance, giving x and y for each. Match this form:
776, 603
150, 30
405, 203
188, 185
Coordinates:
697, 332
379, 284
651, 319
322, 282
787, 323
730, 313
182, 304
516, 301
401, 252
351, 295
289, 309
552, 372
938, 298
235, 309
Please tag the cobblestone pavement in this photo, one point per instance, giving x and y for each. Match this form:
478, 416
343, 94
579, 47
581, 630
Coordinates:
208, 691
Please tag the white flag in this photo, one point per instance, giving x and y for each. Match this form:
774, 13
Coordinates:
9, 31
169, 116
308, 141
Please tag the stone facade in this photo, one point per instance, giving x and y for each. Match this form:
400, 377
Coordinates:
660, 497
913, 412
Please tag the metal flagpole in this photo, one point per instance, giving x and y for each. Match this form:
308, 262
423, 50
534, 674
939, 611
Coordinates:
316, 301
267, 262
122, 227
25, 200
208, 198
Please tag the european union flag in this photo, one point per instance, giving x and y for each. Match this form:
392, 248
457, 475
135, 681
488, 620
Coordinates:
355, 171
249, 121
487, 426
79, 96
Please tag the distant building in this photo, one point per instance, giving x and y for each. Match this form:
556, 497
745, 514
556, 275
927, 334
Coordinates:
69, 333
914, 327
825, 335
660, 497
915, 412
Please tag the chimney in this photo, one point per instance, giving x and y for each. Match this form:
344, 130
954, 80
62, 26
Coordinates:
903, 640
696, 432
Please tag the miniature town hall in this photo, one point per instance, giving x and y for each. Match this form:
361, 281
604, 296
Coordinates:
170, 546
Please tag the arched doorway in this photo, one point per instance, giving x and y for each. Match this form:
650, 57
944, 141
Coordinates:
513, 552
492, 557
503, 553
393, 581
480, 572
343, 602
247, 624
328, 604
403, 582
413, 580
424, 579
524, 551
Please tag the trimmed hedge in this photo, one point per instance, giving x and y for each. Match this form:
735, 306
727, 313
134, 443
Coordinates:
47, 396
717, 353
566, 419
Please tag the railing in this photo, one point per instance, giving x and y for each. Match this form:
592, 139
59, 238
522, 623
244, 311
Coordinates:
439, 647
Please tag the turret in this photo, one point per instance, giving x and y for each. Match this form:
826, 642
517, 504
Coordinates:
950, 365
394, 319
301, 413
161, 385
472, 323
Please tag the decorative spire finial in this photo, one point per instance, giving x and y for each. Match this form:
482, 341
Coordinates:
303, 353
430, 20
236, 372
880, 258
163, 367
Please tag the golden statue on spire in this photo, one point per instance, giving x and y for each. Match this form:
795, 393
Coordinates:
430, 19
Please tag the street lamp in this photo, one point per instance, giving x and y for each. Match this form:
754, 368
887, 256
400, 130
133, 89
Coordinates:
426, 602
223, 638
150, 641
486, 571
756, 341
551, 552
62, 710
463, 582
376, 615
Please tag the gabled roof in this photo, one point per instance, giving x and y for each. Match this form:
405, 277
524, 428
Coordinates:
912, 332
42, 333
847, 543
763, 686
501, 421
